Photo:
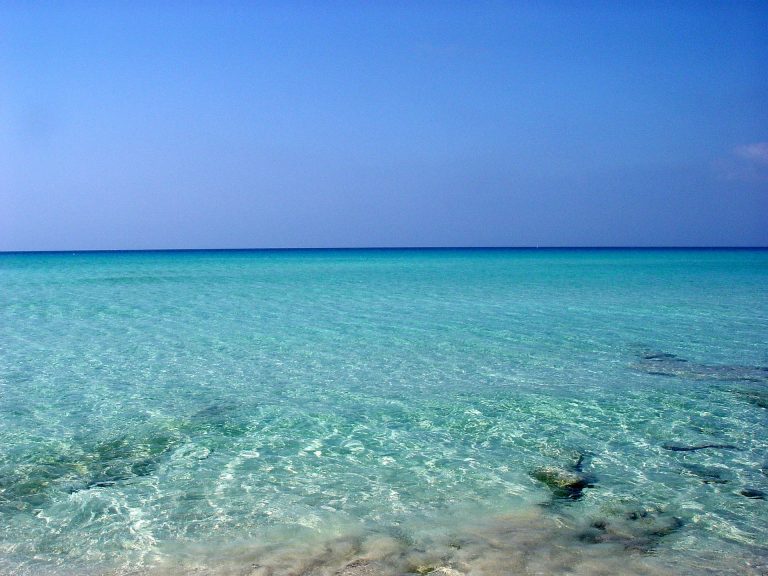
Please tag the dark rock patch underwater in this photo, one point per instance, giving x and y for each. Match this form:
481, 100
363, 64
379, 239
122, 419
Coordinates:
677, 447
636, 530
666, 364
753, 494
31, 480
31, 483
707, 474
565, 483
755, 397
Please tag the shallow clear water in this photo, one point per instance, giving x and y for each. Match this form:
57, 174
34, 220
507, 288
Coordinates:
343, 412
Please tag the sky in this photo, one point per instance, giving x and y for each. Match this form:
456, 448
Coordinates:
161, 125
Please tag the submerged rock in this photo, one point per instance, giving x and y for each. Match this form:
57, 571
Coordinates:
637, 530
90, 465
666, 364
675, 447
563, 483
753, 493
707, 474
225, 418
666, 527
660, 356
756, 397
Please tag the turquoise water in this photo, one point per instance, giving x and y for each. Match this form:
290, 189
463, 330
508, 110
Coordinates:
360, 412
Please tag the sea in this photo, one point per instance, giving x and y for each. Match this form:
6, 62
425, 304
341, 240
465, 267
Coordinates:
361, 412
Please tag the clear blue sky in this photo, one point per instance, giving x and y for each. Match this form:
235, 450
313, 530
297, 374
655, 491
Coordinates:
133, 125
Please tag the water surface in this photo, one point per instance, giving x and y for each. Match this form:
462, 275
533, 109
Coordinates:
326, 412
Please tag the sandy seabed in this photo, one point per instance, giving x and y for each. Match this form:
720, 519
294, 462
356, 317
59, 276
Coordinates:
531, 542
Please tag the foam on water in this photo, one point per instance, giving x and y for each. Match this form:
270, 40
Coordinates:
361, 412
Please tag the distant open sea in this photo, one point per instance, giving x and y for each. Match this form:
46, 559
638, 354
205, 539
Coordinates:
363, 412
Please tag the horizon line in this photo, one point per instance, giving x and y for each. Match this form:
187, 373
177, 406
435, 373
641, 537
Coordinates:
372, 248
